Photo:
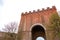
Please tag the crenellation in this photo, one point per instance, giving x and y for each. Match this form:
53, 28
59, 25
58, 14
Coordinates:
26, 12
34, 11
22, 13
48, 8
38, 10
43, 10
53, 7
30, 12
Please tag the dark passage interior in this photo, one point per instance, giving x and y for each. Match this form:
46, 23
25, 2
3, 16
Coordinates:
38, 31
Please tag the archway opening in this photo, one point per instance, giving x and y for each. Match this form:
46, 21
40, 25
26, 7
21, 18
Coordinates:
38, 31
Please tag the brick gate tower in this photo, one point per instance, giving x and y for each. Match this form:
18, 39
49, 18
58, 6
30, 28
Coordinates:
33, 24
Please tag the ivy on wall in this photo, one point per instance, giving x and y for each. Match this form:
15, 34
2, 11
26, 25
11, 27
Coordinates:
55, 24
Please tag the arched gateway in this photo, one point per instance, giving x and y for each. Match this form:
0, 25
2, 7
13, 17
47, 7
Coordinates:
38, 31
34, 24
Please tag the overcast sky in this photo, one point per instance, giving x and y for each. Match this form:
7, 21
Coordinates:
10, 10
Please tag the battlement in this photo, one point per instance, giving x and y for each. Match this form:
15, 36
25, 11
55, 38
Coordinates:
43, 10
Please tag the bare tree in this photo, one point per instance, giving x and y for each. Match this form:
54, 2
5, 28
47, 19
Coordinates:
11, 29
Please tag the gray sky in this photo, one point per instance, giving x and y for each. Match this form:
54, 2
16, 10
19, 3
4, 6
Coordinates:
10, 10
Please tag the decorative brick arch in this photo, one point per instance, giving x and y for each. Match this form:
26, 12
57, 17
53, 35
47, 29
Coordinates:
37, 24
39, 17
36, 34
